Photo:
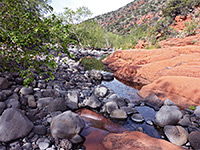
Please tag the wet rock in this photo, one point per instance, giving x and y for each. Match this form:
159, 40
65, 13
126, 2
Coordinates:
57, 104
14, 125
118, 114
194, 139
197, 111
137, 118
61, 124
100, 91
92, 102
137, 141
149, 122
176, 134
107, 76
115, 98
26, 90
42, 102
167, 115
3, 83
153, 101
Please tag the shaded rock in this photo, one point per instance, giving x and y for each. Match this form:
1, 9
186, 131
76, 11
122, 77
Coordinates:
176, 134
109, 107
153, 101
40, 129
26, 90
115, 98
3, 83
42, 102
14, 103
14, 125
197, 111
100, 91
2, 96
167, 115
194, 139
118, 114
57, 104
137, 118
137, 141
185, 121
61, 124
7, 92
129, 110
92, 102
31, 101
50, 93
65, 144
168, 102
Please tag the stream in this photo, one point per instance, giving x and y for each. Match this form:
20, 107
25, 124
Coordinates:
148, 113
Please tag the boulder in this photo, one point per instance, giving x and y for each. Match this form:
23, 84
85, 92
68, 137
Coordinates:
26, 90
176, 134
14, 125
42, 102
194, 139
137, 141
100, 91
91, 101
183, 91
67, 125
167, 115
153, 101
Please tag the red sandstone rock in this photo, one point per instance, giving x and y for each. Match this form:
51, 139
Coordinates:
184, 91
136, 141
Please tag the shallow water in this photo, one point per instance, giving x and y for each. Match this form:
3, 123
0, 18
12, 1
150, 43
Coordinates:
148, 113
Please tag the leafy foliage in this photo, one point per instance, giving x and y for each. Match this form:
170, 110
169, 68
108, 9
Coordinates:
191, 28
26, 34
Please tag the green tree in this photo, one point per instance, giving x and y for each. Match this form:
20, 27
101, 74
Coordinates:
25, 34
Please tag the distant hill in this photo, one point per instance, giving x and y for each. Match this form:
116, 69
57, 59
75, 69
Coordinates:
138, 12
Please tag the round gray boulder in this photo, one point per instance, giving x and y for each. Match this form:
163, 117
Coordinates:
67, 125
118, 114
167, 115
14, 125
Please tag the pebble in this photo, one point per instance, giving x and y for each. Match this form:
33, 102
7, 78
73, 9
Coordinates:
137, 118
43, 145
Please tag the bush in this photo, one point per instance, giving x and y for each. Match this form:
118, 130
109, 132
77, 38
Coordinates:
191, 28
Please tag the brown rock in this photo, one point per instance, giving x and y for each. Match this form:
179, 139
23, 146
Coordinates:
137, 141
183, 91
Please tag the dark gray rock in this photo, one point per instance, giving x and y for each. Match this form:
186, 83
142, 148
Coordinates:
42, 102
57, 104
26, 90
14, 125
8, 92
153, 101
67, 125
194, 139
50, 93
3, 83
167, 115
14, 103
137, 118
118, 114
100, 91
176, 134
19, 80
40, 129
31, 102
2, 96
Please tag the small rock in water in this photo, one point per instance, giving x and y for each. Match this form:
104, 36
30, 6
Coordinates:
176, 134
137, 118
118, 114
109, 107
129, 110
153, 101
149, 122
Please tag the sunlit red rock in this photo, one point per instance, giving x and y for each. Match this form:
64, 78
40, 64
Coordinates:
136, 141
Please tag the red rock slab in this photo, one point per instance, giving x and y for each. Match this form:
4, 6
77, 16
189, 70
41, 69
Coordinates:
183, 91
136, 141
